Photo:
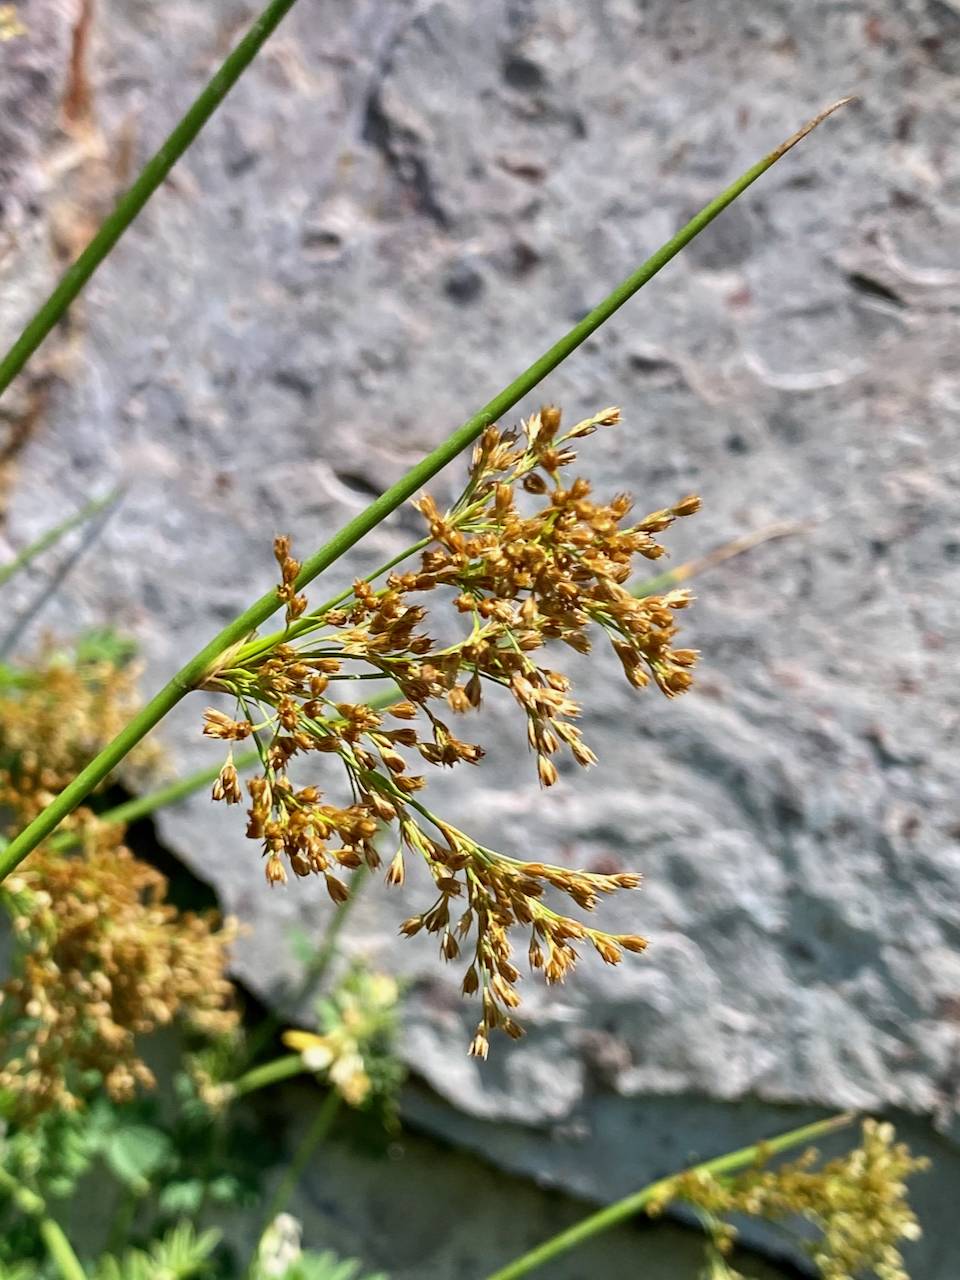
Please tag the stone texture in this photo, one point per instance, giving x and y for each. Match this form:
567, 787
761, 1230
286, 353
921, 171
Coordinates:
398, 208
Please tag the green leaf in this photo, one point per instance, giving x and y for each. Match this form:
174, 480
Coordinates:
103, 645
226, 1189
179, 1255
136, 1152
182, 1252
327, 1266
184, 1196
52, 536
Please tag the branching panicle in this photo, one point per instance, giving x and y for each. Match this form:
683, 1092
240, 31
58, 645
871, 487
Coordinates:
527, 557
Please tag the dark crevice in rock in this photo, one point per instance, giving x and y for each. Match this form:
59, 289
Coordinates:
870, 287
291, 380
521, 72
399, 147
358, 483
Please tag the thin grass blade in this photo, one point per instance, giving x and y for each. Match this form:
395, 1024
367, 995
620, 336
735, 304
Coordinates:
129, 205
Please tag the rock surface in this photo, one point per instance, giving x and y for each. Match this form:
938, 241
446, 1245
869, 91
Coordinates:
399, 207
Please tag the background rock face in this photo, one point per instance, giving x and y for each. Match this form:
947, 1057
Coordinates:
399, 207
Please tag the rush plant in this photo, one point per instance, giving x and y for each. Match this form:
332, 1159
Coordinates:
526, 561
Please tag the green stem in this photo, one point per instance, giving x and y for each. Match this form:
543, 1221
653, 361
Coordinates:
624, 1209
132, 202
123, 1220
317, 969
323, 1120
285, 1068
140, 806
51, 1233
52, 536
212, 656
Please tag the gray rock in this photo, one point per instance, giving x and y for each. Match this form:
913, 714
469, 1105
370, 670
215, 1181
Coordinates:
397, 209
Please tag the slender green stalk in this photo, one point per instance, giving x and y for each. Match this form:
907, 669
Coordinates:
53, 536
323, 1120
624, 1209
124, 1217
215, 655
683, 572
285, 1068
51, 1233
132, 202
317, 969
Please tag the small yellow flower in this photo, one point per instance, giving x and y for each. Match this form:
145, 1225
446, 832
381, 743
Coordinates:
10, 24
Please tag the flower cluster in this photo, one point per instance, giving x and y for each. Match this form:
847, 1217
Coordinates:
523, 559
55, 715
857, 1203
353, 1050
100, 958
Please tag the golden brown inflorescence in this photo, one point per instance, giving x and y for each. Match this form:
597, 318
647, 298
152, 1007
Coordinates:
54, 716
527, 558
100, 958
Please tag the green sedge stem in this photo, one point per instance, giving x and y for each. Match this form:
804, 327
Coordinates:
285, 1068
320, 964
323, 1120
132, 202
624, 1209
52, 536
211, 658
55, 1241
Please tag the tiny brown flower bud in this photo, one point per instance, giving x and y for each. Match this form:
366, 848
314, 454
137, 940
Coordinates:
687, 506
458, 699
550, 416
275, 871
337, 890
480, 1045
547, 771
227, 785
631, 942
403, 710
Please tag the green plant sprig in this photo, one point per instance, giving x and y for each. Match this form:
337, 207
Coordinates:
52, 1234
216, 654
637, 1201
